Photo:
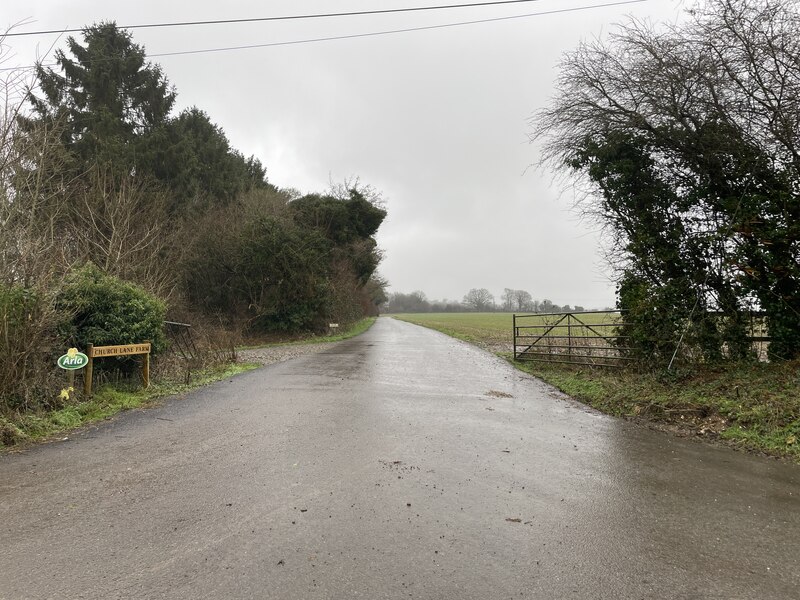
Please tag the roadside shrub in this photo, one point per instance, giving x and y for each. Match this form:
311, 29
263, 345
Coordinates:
103, 310
27, 326
266, 272
276, 264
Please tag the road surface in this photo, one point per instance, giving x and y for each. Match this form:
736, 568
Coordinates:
399, 464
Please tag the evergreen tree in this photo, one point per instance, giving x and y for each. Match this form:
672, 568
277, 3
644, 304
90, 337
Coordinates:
192, 155
107, 98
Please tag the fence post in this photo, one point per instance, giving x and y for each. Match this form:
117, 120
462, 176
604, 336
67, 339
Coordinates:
515, 335
146, 368
87, 374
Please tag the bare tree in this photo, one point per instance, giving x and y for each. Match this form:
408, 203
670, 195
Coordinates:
414, 302
507, 299
343, 191
522, 300
518, 300
120, 224
29, 249
479, 299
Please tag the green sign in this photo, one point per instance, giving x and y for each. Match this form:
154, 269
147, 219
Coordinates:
73, 360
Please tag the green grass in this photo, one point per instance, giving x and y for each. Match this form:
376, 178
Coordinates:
754, 406
483, 329
353, 330
493, 330
105, 403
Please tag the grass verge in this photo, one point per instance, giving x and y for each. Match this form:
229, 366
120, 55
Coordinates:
353, 330
106, 402
752, 406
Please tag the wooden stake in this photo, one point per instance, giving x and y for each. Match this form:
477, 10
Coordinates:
87, 374
146, 370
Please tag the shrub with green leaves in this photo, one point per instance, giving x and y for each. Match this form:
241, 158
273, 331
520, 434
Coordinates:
103, 310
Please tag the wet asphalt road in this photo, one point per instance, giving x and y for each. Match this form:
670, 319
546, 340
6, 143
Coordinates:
400, 464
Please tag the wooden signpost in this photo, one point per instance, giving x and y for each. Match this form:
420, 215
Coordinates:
107, 351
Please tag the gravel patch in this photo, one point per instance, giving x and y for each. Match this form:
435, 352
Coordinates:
273, 354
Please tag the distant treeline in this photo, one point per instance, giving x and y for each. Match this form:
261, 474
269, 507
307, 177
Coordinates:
476, 300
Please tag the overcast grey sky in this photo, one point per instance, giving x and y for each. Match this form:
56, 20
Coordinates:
434, 119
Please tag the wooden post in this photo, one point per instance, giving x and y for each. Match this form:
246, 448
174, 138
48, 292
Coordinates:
87, 373
122, 350
146, 368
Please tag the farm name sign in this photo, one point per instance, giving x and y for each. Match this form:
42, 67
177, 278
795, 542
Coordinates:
126, 350
109, 351
74, 360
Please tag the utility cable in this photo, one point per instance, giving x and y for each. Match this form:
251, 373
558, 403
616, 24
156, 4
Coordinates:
372, 33
289, 17
395, 31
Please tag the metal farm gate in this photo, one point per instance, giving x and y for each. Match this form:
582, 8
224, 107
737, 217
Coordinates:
578, 338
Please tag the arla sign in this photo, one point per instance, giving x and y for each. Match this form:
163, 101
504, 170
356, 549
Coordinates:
73, 360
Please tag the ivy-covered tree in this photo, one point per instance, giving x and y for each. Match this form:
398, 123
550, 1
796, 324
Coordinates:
691, 150
292, 266
350, 223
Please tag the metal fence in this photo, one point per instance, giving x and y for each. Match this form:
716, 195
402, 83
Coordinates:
181, 340
589, 337
594, 338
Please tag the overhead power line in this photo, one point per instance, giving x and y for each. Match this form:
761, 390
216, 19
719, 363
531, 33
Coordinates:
289, 17
394, 31
373, 33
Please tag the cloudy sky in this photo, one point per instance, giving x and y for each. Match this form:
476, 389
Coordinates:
435, 119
